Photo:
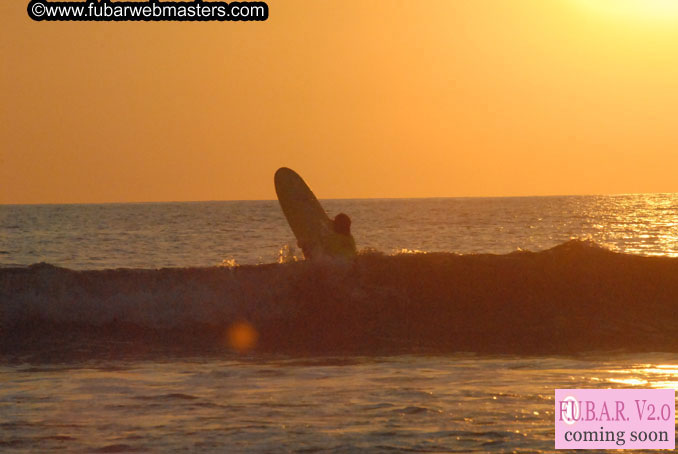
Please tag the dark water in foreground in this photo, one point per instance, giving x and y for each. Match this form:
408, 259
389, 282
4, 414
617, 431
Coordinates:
453, 403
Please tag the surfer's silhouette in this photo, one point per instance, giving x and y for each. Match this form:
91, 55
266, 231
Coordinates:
342, 224
318, 236
342, 244
339, 243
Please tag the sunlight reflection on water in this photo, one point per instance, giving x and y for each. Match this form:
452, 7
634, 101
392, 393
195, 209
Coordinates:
647, 375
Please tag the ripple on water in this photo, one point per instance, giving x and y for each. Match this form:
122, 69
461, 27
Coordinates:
446, 405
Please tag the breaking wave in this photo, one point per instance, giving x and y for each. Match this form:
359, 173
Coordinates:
574, 297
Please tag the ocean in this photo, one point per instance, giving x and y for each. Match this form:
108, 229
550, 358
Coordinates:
154, 235
196, 327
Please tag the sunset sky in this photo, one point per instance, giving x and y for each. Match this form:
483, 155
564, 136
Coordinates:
363, 99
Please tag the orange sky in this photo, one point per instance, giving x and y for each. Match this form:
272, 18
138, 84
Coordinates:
363, 98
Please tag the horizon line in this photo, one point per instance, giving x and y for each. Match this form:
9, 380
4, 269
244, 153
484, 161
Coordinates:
340, 198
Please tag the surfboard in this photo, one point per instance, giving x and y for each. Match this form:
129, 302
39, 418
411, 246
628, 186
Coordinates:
307, 218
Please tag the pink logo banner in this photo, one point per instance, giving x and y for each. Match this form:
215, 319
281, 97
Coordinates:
615, 419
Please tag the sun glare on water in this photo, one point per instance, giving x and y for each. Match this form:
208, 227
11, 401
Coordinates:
647, 375
635, 9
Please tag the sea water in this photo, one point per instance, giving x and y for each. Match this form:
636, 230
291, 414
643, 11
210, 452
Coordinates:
221, 401
153, 235
453, 403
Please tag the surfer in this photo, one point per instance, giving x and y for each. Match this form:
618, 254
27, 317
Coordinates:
339, 243
318, 236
